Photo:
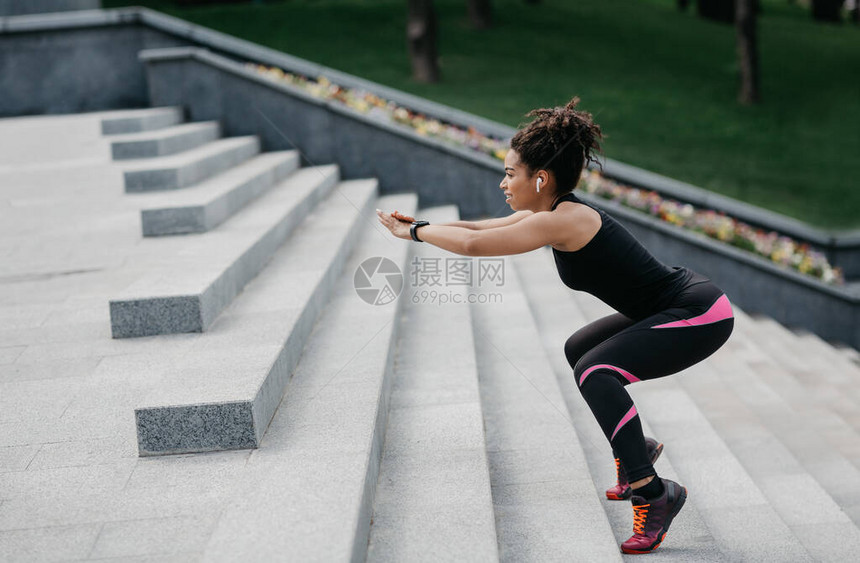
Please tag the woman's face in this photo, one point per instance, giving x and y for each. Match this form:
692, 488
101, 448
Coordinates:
519, 187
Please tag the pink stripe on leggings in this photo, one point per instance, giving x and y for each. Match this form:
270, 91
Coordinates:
624, 420
627, 375
719, 311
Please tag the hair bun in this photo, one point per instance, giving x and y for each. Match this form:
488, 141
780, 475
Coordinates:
561, 139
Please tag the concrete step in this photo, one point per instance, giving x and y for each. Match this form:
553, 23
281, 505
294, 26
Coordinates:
187, 281
726, 495
827, 378
309, 491
557, 317
547, 508
801, 356
225, 393
819, 357
163, 142
831, 352
135, 121
433, 499
206, 205
180, 170
814, 426
739, 407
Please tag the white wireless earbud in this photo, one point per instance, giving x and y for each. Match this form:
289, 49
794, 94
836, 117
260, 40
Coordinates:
539, 181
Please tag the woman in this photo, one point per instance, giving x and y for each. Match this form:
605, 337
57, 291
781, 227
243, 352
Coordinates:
668, 318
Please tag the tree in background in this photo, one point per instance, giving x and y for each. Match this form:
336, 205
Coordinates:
719, 10
747, 47
421, 33
827, 10
480, 13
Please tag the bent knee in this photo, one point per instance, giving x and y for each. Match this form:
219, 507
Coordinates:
588, 369
574, 351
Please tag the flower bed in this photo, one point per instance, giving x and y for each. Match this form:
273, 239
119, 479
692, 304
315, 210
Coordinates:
781, 250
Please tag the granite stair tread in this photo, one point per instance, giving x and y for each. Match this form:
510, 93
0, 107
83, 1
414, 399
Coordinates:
546, 504
433, 498
760, 439
224, 395
136, 120
818, 427
823, 374
206, 205
186, 281
177, 171
311, 483
165, 141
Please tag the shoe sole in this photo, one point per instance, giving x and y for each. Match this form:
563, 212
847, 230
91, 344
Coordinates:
629, 492
682, 499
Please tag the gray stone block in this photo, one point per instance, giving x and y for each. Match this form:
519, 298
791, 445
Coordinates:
195, 428
224, 399
203, 207
167, 141
157, 315
164, 303
137, 121
186, 169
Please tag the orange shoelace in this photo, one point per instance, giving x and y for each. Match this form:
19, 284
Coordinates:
640, 514
618, 469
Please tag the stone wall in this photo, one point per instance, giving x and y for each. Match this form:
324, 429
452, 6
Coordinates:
20, 7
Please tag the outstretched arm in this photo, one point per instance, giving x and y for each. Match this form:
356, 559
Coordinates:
483, 224
529, 233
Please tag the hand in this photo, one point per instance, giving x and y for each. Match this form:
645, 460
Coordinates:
398, 227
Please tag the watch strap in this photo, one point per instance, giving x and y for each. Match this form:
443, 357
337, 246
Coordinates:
414, 228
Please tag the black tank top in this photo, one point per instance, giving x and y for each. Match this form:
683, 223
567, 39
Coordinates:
618, 270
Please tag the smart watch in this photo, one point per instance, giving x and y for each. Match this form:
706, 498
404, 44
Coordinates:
414, 227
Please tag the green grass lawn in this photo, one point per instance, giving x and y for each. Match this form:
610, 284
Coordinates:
661, 83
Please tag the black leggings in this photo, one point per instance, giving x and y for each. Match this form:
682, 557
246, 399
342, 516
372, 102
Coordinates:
615, 351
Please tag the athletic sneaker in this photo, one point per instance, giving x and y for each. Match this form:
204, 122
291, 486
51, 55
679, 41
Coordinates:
622, 490
651, 518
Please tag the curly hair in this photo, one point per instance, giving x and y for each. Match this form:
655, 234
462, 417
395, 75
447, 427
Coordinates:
561, 140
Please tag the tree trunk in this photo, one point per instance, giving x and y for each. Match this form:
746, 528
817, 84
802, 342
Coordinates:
717, 10
747, 47
827, 10
682, 5
421, 36
480, 14
855, 13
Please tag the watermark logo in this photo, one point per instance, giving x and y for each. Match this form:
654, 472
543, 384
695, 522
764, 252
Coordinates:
378, 281
429, 272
